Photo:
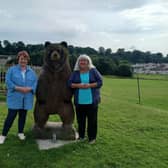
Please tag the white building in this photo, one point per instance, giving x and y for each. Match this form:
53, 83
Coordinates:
5, 58
151, 68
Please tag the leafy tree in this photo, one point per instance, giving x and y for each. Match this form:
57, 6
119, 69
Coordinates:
71, 49
108, 51
101, 50
107, 62
72, 61
8, 48
105, 66
20, 46
1, 48
120, 51
37, 58
124, 69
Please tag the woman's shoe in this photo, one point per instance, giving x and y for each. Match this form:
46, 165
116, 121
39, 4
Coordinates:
92, 141
2, 139
21, 136
81, 139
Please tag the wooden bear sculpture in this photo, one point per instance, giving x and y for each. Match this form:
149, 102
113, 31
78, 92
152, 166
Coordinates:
53, 95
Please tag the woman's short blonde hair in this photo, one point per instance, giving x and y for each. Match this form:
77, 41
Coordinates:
24, 54
83, 56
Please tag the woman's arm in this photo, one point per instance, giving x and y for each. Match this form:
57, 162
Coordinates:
92, 85
10, 85
34, 84
99, 79
73, 82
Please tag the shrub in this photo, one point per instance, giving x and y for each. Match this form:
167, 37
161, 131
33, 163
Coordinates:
125, 70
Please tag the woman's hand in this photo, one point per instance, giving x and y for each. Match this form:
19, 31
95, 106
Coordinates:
89, 85
83, 86
23, 89
77, 86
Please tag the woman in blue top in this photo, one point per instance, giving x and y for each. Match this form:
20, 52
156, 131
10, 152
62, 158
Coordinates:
21, 83
86, 82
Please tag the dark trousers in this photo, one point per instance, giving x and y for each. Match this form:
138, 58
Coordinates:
88, 112
11, 117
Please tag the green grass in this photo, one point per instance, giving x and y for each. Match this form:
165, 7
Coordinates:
154, 93
152, 76
129, 135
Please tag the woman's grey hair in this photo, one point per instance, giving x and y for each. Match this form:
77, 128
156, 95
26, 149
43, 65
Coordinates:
83, 56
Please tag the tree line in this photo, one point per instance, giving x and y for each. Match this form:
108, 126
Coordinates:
106, 61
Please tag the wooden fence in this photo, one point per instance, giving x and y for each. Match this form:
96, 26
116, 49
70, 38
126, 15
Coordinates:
2, 77
3, 70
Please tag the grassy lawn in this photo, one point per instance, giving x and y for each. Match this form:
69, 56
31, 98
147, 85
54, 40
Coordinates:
129, 135
152, 76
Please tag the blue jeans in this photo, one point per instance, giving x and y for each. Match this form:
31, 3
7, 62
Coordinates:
11, 117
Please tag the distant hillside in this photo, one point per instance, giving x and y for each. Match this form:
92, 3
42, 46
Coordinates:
107, 61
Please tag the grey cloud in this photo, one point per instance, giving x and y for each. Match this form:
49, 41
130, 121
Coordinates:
82, 22
81, 5
37, 37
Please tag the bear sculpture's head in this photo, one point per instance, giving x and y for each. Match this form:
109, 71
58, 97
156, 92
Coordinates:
56, 56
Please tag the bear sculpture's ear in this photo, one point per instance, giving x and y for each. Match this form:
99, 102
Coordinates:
64, 44
47, 43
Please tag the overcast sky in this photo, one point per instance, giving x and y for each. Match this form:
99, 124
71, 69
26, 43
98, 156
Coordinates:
129, 24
